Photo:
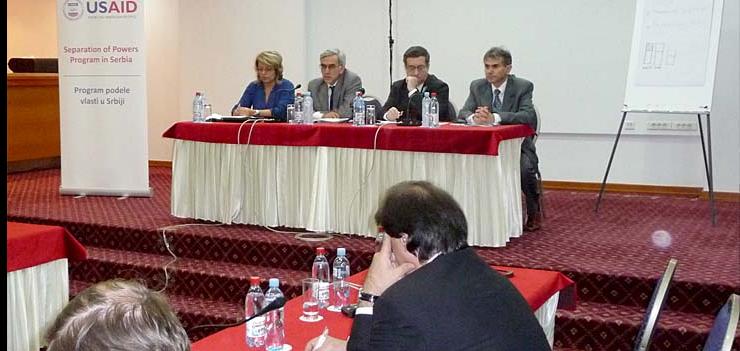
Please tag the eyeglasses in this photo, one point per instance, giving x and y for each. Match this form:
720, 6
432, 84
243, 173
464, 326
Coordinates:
329, 67
416, 68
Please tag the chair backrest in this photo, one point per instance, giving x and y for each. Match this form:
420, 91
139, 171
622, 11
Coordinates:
539, 123
451, 111
655, 307
722, 333
372, 100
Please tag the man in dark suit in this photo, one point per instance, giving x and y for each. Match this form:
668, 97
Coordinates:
427, 290
502, 98
412, 88
333, 92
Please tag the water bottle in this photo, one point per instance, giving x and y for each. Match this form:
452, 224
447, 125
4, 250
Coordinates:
434, 111
425, 120
253, 303
198, 104
340, 272
320, 271
307, 108
298, 108
274, 320
358, 108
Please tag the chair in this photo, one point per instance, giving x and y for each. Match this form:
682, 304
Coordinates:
655, 307
451, 111
723, 330
372, 100
540, 188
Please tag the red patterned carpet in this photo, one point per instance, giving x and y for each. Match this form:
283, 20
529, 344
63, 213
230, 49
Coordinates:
614, 256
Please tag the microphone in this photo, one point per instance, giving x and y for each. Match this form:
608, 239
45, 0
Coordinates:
406, 120
297, 87
274, 305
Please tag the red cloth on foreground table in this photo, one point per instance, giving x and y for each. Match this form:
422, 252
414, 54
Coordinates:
451, 138
32, 244
535, 285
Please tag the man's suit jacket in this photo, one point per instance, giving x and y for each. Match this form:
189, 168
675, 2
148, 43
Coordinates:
399, 98
344, 92
456, 302
517, 106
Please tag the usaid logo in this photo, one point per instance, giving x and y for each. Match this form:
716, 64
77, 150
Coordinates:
72, 9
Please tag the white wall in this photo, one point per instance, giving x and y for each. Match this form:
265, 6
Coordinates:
32, 29
576, 52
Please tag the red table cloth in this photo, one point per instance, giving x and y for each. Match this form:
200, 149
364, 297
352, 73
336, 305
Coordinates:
536, 286
32, 244
451, 138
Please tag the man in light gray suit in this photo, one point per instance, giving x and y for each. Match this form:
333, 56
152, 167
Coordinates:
502, 98
334, 91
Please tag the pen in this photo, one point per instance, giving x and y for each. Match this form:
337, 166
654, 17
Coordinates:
321, 339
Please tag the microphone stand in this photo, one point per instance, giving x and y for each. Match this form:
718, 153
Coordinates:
390, 42
274, 305
406, 119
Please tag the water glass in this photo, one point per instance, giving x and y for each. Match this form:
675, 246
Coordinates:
207, 111
311, 289
370, 115
290, 112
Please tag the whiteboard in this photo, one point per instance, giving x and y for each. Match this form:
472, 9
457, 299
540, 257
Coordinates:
674, 55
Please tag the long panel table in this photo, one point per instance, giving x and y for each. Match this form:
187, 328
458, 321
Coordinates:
330, 177
545, 291
38, 280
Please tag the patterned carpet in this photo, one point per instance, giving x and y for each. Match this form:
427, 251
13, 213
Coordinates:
614, 256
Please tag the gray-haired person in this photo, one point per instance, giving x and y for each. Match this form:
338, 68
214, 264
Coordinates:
333, 92
118, 315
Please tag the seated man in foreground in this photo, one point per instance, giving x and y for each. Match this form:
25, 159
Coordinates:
118, 315
426, 289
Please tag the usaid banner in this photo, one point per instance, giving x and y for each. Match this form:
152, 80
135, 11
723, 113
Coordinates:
102, 98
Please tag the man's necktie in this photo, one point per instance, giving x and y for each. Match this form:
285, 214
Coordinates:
496, 100
331, 98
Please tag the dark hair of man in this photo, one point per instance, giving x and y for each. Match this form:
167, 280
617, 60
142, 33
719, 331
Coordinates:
416, 51
497, 52
433, 220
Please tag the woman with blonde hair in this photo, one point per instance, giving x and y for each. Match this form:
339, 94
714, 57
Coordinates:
270, 94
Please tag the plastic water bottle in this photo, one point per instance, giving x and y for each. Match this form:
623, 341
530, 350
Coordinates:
198, 105
320, 271
434, 111
298, 108
307, 108
274, 320
253, 303
425, 120
340, 272
358, 108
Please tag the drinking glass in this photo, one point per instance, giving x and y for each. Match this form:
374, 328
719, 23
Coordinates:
310, 300
290, 111
207, 111
370, 118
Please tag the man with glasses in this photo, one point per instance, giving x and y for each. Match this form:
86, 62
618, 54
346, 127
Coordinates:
333, 92
502, 98
406, 94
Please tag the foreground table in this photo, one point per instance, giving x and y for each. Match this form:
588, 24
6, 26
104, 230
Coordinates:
543, 290
38, 280
330, 177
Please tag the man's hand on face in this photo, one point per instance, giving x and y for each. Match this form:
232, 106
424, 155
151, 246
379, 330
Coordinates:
483, 116
383, 270
412, 83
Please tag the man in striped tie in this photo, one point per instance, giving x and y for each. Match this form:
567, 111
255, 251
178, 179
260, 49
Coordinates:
502, 98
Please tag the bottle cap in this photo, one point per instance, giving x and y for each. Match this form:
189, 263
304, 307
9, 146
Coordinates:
320, 251
308, 93
341, 251
274, 282
254, 280
434, 93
